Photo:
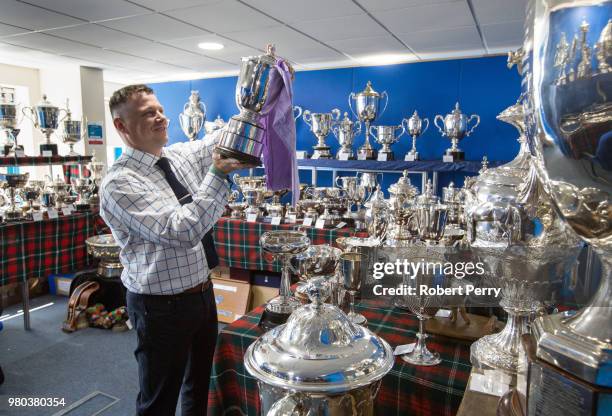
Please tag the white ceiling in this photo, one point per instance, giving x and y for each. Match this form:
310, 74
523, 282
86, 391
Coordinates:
157, 39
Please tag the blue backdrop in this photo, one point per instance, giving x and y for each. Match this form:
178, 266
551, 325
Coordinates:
482, 86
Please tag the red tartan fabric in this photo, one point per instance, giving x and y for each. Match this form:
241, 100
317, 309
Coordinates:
406, 390
38, 249
237, 242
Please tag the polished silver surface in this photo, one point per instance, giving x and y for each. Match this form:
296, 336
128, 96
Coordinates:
569, 134
45, 116
414, 127
365, 105
345, 131
402, 227
377, 215
12, 184
297, 112
193, 116
350, 267
386, 136
321, 125
282, 245
455, 126
105, 248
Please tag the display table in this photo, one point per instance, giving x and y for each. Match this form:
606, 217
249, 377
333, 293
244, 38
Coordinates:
237, 242
40, 248
406, 390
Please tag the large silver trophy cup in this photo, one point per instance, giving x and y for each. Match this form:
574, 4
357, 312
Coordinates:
73, 130
45, 117
345, 131
570, 133
414, 127
242, 136
321, 125
386, 136
9, 122
193, 117
455, 126
366, 109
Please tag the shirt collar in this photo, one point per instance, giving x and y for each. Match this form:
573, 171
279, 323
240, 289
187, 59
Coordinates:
143, 159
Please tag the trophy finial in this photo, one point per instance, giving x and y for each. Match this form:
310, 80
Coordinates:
485, 164
270, 49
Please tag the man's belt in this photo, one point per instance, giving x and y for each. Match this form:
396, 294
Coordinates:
202, 287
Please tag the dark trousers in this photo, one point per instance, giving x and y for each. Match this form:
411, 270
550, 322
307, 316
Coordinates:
177, 336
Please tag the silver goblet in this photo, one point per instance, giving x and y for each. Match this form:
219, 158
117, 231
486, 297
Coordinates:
350, 263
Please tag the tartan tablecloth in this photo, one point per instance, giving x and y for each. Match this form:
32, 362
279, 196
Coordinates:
406, 390
237, 242
40, 248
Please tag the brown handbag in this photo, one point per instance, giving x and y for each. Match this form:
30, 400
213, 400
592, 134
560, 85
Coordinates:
78, 303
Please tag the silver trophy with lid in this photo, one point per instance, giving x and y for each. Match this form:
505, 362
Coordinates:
455, 126
45, 117
193, 117
242, 136
9, 122
345, 131
414, 127
367, 108
321, 125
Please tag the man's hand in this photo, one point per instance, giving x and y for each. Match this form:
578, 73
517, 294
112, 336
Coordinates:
228, 165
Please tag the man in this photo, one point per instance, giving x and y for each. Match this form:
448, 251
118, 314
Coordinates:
161, 204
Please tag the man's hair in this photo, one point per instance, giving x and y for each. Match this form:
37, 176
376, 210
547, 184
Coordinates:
122, 95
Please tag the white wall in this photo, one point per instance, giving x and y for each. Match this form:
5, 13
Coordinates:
113, 139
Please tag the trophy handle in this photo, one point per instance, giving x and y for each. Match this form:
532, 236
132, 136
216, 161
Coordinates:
436, 118
426, 121
358, 129
335, 114
67, 113
203, 110
297, 109
306, 115
32, 117
335, 128
350, 98
401, 126
477, 118
384, 94
336, 181
370, 131
185, 106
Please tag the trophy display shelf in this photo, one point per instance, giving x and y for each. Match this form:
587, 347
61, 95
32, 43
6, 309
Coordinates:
43, 160
465, 166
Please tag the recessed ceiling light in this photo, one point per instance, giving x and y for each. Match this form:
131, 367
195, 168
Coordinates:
210, 46
385, 59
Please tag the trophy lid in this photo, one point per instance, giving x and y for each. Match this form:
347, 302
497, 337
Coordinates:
428, 197
319, 349
403, 186
377, 200
369, 91
45, 103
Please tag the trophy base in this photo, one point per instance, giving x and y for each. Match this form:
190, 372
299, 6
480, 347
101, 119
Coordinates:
228, 153
453, 156
411, 157
485, 353
13, 215
345, 155
385, 156
551, 390
322, 153
48, 149
82, 207
269, 320
367, 153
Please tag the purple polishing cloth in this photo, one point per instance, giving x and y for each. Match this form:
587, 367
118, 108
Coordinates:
279, 136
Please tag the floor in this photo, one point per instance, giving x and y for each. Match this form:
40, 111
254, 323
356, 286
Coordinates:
91, 369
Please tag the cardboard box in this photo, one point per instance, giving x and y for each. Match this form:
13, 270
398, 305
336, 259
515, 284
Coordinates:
232, 298
262, 294
59, 284
220, 272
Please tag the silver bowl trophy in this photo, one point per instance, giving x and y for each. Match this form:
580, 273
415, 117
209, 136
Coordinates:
13, 182
320, 125
83, 187
73, 130
45, 117
569, 130
31, 193
414, 127
386, 136
367, 109
242, 136
318, 363
282, 245
317, 261
455, 126
193, 117
345, 132
105, 248
9, 122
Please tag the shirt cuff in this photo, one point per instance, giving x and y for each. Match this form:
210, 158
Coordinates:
217, 172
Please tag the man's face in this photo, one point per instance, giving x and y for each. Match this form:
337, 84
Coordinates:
142, 123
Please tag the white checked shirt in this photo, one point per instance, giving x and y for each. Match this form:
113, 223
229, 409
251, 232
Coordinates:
160, 239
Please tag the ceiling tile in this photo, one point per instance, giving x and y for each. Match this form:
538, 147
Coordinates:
375, 44
156, 51
8, 30
155, 27
163, 5
229, 46
338, 28
443, 40
420, 18
97, 35
32, 17
46, 43
380, 5
92, 10
498, 11
290, 11
315, 53
223, 17
444, 55
110, 58
509, 34
285, 39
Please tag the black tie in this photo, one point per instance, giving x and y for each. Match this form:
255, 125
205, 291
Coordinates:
182, 194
